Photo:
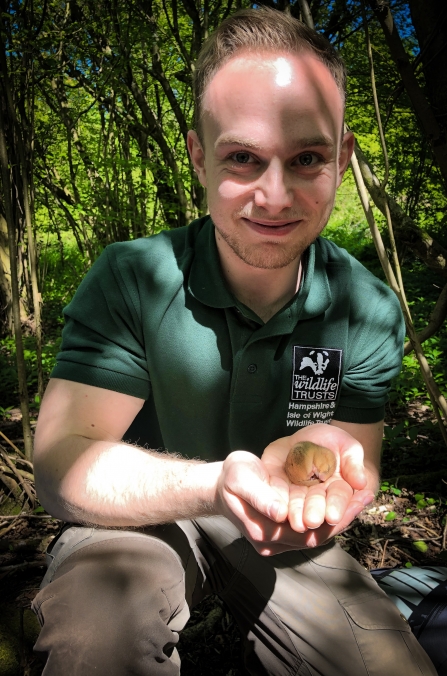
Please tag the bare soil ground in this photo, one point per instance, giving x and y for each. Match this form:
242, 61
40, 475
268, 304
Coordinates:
406, 525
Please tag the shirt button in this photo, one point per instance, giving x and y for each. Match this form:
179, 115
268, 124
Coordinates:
252, 368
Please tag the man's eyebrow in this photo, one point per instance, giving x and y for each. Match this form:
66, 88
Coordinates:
305, 142
230, 140
319, 140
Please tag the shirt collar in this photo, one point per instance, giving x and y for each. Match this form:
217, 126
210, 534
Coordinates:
207, 284
206, 281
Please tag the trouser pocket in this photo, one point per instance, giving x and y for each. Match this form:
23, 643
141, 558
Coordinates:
372, 636
384, 637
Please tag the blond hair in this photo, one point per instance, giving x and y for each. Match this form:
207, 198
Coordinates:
263, 29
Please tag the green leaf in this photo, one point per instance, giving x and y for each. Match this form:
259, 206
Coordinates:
390, 516
38, 510
419, 496
431, 501
396, 491
408, 511
420, 546
408, 564
421, 504
405, 519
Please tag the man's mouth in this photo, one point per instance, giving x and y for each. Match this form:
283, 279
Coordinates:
274, 228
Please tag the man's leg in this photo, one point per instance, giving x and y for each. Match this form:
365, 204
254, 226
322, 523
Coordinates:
310, 612
114, 602
117, 602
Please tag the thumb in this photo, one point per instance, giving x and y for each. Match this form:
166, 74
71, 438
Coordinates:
351, 466
246, 477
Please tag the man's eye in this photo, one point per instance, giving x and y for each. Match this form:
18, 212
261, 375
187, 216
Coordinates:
307, 159
241, 158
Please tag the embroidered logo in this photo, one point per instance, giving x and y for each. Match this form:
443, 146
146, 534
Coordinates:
316, 373
318, 366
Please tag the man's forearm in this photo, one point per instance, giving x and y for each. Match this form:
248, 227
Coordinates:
114, 484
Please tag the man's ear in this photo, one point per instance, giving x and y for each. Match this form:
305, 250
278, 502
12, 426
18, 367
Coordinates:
346, 150
197, 155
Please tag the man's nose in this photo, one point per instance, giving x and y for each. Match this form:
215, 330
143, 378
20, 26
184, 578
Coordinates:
273, 190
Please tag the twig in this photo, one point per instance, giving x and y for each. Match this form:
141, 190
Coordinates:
7, 529
16, 472
23, 460
25, 564
24, 515
406, 554
429, 530
22, 455
383, 554
22, 472
444, 537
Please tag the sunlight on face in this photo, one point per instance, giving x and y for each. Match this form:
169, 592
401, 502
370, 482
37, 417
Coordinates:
283, 72
271, 126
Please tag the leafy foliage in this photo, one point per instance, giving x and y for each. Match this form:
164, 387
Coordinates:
108, 102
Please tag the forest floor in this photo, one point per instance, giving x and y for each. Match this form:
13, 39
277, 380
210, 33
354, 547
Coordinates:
404, 526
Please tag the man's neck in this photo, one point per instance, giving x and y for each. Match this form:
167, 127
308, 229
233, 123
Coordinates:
262, 290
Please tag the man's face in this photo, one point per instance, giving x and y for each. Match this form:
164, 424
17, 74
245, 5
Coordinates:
273, 154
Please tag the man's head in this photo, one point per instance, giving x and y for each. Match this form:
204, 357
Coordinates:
260, 30
271, 150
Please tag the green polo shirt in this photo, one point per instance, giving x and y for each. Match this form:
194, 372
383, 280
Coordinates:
154, 318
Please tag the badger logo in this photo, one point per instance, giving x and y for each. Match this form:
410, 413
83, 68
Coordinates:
316, 373
317, 367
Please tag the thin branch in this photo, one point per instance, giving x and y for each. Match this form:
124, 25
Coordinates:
21, 566
25, 515
437, 399
306, 13
22, 455
436, 319
17, 473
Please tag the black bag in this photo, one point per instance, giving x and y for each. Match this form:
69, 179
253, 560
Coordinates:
420, 593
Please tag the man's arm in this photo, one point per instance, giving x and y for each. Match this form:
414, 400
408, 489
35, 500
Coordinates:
85, 473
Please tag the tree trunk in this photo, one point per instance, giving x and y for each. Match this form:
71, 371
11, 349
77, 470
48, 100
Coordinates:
423, 110
5, 280
21, 370
430, 22
417, 240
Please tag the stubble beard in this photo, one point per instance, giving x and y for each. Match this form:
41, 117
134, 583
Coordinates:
267, 255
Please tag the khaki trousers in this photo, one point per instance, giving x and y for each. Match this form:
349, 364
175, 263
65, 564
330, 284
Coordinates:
113, 603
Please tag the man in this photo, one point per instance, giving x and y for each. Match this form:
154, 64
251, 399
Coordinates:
241, 334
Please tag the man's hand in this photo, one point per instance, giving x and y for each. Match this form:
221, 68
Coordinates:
259, 503
277, 516
328, 501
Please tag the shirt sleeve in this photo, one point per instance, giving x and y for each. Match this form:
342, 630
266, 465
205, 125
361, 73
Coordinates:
375, 357
103, 341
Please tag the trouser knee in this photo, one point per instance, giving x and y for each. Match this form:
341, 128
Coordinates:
114, 607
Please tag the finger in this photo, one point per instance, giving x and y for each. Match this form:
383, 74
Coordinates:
260, 530
247, 478
356, 505
338, 495
281, 486
314, 510
351, 466
297, 497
